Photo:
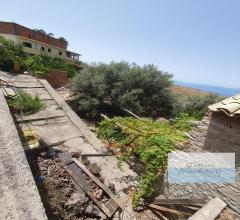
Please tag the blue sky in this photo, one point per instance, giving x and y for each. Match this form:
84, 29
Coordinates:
196, 40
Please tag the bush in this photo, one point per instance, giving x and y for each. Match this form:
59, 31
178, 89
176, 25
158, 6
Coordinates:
10, 53
143, 90
25, 102
40, 65
149, 140
194, 106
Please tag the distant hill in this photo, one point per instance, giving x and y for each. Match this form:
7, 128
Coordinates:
187, 91
207, 88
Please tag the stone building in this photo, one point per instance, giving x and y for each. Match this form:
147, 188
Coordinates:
36, 42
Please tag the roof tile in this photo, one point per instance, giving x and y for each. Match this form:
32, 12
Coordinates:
230, 106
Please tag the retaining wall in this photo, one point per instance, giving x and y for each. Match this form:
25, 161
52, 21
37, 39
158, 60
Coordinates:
19, 197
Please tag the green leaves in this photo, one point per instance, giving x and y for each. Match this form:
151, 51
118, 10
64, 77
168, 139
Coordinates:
25, 102
149, 140
195, 106
40, 65
142, 90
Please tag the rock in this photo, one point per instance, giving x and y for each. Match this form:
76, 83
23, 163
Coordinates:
75, 154
85, 161
162, 120
75, 198
96, 211
67, 191
89, 209
40, 179
139, 168
94, 169
101, 179
51, 154
112, 187
99, 194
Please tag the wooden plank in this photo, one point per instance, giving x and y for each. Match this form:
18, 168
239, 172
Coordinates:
74, 167
210, 210
103, 208
25, 119
66, 158
112, 205
160, 208
27, 85
160, 214
78, 176
48, 112
70, 165
100, 184
179, 201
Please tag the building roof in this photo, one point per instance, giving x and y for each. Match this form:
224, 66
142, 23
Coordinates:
230, 106
19, 30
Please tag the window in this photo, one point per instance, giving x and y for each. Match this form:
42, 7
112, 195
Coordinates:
49, 50
26, 44
42, 48
60, 53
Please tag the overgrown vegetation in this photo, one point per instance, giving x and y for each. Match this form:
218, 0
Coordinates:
25, 102
40, 65
108, 87
148, 140
11, 53
195, 106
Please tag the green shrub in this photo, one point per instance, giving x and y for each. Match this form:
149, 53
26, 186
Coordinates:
194, 106
40, 65
9, 54
149, 140
26, 102
110, 87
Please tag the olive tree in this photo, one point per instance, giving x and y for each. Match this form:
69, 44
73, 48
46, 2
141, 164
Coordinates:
143, 90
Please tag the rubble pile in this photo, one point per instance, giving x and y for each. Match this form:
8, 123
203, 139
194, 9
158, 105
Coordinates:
59, 194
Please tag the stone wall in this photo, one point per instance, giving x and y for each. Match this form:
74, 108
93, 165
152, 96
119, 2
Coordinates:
217, 132
57, 78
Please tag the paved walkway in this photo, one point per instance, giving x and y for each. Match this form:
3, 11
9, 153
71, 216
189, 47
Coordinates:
19, 197
58, 125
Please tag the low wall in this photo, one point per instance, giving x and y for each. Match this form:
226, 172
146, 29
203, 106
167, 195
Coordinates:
19, 197
57, 78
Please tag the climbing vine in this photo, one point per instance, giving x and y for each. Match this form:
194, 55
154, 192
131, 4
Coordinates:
150, 141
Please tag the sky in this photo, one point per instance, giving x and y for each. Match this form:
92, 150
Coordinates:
196, 40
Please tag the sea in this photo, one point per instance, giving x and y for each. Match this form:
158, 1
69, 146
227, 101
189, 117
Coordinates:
213, 89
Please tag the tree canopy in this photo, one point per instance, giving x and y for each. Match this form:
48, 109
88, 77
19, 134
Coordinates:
141, 89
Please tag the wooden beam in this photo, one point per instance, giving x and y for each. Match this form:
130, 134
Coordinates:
179, 201
160, 208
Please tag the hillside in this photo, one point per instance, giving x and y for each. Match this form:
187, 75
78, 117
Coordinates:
187, 91
223, 91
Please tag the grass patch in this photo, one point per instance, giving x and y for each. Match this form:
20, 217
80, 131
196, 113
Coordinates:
149, 140
29, 104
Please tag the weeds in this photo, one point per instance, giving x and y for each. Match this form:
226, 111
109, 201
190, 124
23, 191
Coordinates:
25, 102
149, 140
